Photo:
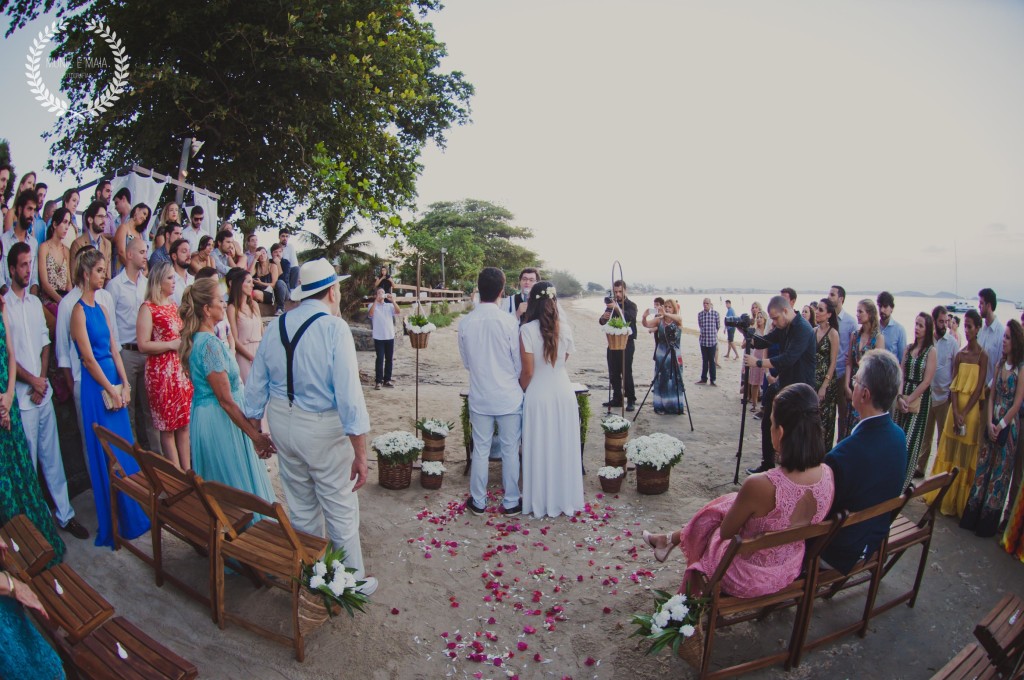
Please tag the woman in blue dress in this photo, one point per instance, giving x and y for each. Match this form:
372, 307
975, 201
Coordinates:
103, 372
25, 652
222, 437
668, 360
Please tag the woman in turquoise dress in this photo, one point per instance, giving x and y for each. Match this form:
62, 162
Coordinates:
668, 383
25, 653
222, 437
20, 493
103, 372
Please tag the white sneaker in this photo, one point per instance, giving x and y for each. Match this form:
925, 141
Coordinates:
370, 587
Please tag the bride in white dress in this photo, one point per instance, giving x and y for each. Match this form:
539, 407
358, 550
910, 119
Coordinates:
552, 469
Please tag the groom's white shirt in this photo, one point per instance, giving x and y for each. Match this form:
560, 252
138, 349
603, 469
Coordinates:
489, 346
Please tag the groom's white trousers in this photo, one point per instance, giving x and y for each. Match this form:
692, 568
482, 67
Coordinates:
510, 430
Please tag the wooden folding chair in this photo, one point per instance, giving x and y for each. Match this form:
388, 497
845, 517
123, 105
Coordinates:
28, 551
825, 583
99, 655
726, 610
905, 534
136, 486
1001, 633
271, 547
178, 509
72, 604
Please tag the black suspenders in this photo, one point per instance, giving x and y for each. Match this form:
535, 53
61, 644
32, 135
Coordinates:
290, 345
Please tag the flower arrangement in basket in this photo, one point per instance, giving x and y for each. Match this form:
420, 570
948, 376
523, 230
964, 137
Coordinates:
418, 329
396, 452
611, 478
434, 433
676, 621
432, 474
617, 332
325, 587
616, 432
654, 456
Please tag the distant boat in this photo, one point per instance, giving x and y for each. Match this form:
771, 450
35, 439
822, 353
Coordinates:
960, 306
1020, 304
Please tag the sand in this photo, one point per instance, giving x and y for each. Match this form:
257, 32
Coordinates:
451, 580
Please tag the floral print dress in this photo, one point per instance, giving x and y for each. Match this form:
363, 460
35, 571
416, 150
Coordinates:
169, 389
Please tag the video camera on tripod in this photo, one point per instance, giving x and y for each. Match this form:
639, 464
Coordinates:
742, 323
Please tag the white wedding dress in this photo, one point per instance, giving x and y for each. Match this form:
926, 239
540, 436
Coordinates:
552, 469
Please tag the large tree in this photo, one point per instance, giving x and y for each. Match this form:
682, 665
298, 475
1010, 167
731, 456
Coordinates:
296, 101
475, 234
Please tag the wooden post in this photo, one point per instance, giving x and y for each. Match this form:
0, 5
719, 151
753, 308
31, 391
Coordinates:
622, 314
419, 262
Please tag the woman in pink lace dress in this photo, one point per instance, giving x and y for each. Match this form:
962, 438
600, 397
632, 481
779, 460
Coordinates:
798, 492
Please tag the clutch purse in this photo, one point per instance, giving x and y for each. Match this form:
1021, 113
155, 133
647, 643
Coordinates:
108, 402
1004, 434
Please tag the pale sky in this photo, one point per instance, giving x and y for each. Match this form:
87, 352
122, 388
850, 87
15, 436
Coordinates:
746, 144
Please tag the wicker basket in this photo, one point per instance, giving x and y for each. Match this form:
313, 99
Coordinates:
611, 485
312, 612
691, 650
432, 482
617, 342
418, 340
651, 481
433, 447
394, 475
615, 448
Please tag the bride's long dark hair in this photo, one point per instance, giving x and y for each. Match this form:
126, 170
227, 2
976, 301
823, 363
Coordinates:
543, 308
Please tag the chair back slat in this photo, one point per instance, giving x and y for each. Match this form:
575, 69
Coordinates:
212, 507
773, 539
942, 480
169, 481
891, 506
108, 439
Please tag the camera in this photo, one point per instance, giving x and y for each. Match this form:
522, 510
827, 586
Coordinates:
740, 323
608, 298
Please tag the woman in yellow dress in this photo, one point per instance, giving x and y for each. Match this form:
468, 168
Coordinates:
958, 446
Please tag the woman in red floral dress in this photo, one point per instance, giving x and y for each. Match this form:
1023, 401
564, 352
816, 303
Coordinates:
168, 386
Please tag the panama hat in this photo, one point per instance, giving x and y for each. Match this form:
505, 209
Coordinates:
314, 276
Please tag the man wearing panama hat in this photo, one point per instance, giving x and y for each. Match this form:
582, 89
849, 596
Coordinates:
305, 377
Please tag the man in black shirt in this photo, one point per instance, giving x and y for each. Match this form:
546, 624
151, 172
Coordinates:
615, 367
794, 363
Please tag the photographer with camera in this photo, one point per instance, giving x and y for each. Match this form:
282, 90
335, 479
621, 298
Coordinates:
618, 305
794, 363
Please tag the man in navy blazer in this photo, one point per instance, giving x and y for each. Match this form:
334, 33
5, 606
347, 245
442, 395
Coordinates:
870, 465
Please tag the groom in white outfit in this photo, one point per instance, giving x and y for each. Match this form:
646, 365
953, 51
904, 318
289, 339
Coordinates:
318, 419
489, 345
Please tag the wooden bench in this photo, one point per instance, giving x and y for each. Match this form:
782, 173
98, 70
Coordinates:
98, 656
1001, 652
76, 607
28, 551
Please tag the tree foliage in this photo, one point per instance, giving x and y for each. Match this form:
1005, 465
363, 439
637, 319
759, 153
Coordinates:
565, 283
594, 287
296, 102
475, 233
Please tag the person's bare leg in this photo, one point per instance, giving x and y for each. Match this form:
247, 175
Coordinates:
663, 544
169, 447
184, 446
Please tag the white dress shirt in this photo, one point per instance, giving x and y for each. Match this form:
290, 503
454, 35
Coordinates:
990, 337
193, 236
29, 335
8, 239
289, 254
847, 325
180, 284
67, 354
945, 352
489, 346
325, 369
127, 297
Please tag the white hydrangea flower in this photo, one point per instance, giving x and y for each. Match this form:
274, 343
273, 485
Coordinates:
337, 586
656, 629
320, 568
350, 580
396, 443
337, 566
433, 467
316, 581
610, 472
674, 601
679, 612
687, 630
662, 618
657, 450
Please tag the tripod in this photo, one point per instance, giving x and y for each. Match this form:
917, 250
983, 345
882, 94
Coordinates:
680, 390
743, 406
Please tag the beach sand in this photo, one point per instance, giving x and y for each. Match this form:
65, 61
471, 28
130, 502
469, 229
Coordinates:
451, 579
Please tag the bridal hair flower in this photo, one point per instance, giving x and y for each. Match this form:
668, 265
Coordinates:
549, 292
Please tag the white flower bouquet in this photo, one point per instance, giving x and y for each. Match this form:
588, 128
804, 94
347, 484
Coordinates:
417, 323
655, 450
435, 427
610, 472
397, 447
433, 468
612, 424
616, 326
676, 618
336, 583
